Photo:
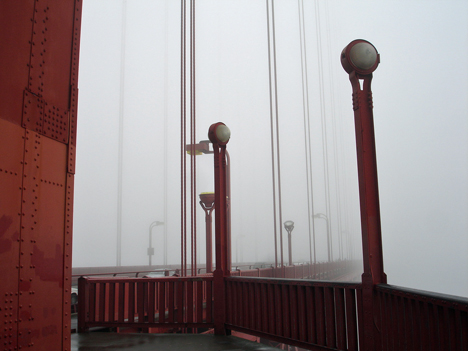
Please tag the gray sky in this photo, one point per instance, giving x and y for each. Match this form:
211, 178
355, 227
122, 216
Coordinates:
420, 112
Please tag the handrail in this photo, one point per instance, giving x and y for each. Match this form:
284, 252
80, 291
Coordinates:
312, 314
420, 320
163, 302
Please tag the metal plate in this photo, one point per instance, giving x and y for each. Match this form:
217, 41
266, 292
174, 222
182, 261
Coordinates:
56, 123
15, 37
42, 240
11, 169
52, 51
33, 112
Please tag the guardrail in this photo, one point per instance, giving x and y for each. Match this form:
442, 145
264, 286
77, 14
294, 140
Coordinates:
310, 314
145, 302
418, 320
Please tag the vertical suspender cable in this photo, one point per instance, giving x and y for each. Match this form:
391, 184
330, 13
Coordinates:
324, 127
274, 124
277, 133
334, 127
166, 81
183, 185
121, 133
272, 133
193, 163
307, 140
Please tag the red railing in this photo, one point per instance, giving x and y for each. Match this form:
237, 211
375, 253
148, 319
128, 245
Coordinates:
145, 302
419, 320
320, 270
309, 314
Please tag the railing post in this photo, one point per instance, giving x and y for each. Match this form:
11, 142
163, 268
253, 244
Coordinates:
360, 59
82, 305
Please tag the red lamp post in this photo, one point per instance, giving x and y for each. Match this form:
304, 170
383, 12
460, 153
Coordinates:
359, 59
207, 201
219, 135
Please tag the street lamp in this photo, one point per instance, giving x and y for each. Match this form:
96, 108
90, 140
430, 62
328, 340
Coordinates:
219, 135
203, 148
150, 246
323, 216
289, 226
207, 201
359, 59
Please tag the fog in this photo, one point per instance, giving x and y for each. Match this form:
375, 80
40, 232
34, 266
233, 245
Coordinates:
130, 77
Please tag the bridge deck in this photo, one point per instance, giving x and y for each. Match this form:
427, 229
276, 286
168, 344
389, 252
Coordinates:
151, 342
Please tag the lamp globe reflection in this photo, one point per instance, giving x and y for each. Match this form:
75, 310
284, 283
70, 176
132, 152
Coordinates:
360, 56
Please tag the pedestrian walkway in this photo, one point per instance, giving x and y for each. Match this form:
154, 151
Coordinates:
152, 342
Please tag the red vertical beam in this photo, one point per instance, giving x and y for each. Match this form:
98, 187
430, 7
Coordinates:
151, 301
464, 329
301, 317
102, 302
320, 313
293, 305
311, 315
189, 301
122, 302
351, 319
385, 318
180, 289
286, 311
199, 305
209, 301
278, 308
131, 301
258, 306
330, 321
264, 307
111, 302
171, 302
162, 301
340, 319
92, 302
83, 304
140, 301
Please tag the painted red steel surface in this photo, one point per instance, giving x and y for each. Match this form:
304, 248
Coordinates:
418, 320
309, 314
145, 302
38, 87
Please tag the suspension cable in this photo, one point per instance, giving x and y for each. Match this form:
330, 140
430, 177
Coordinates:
193, 162
307, 139
183, 185
324, 127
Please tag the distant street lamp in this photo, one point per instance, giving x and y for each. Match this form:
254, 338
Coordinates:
150, 247
323, 216
289, 226
207, 201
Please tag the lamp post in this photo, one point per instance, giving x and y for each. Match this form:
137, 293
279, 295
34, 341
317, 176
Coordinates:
207, 201
324, 216
219, 135
203, 148
289, 226
359, 59
150, 246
